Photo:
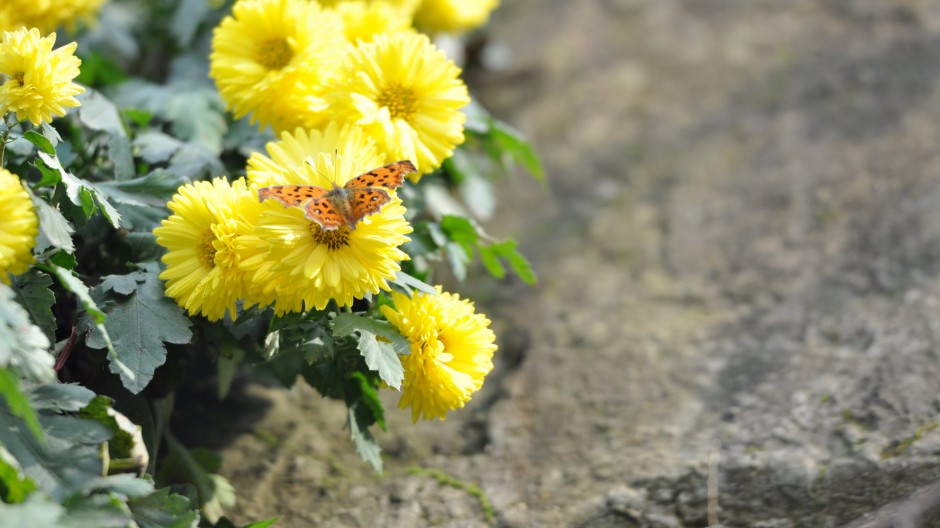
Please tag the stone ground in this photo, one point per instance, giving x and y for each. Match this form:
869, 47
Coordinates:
737, 315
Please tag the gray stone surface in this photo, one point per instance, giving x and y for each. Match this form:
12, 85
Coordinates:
737, 318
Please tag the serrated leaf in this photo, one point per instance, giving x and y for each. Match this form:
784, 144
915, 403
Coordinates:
33, 294
54, 229
82, 193
41, 142
18, 403
381, 357
346, 323
15, 486
142, 322
69, 455
119, 151
518, 263
365, 444
124, 284
142, 201
23, 346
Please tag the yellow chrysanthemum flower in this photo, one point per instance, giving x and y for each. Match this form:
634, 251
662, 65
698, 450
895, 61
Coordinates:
296, 265
47, 15
272, 59
38, 79
453, 16
408, 6
203, 272
407, 95
364, 20
18, 227
452, 350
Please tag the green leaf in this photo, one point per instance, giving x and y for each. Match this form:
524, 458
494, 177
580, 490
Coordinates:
125, 485
490, 259
519, 264
36, 511
54, 229
142, 201
15, 486
99, 113
41, 142
156, 147
97, 409
96, 318
82, 193
33, 294
98, 70
510, 141
365, 444
69, 456
369, 396
17, 402
215, 492
163, 509
70, 281
141, 322
23, 346
380, 355
346, 323
407, 283
262, 524
189, 14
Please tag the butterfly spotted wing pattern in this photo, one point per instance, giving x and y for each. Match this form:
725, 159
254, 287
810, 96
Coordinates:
362, 196
390, 176
291, 195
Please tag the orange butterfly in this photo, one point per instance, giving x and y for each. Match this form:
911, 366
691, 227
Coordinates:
343, 206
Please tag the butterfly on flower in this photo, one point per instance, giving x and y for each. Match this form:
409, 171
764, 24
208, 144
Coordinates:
362, 196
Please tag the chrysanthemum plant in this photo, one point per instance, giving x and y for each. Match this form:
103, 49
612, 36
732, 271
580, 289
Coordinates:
254, 187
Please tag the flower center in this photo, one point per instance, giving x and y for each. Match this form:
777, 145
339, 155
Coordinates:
274, 54
333, 238
400, 101
19, 78
205, 250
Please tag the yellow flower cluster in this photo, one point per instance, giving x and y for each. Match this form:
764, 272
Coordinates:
347, 86
224, 245
298, 64
47, 15
38, 80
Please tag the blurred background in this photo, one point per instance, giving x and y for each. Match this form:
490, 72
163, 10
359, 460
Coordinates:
736, 322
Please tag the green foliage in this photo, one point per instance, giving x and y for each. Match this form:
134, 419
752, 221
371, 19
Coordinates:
91, 312
142, 319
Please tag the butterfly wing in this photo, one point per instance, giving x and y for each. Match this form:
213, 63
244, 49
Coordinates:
291, 195
322, 211
364, 202
389, 176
